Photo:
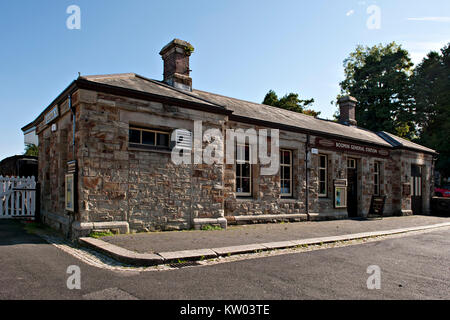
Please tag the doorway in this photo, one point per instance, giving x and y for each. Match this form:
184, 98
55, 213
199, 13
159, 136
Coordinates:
416, 188
352, 188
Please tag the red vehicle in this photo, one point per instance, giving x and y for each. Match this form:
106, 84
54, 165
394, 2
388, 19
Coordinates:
442, 191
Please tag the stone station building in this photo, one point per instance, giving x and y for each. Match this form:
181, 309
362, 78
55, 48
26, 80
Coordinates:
113, 133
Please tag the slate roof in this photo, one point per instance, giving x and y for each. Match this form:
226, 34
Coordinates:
136, 82
398, 142
278, 115
240, 107
252, 110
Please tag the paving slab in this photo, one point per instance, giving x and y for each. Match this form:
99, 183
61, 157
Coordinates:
174, 256
278, 245
122, 254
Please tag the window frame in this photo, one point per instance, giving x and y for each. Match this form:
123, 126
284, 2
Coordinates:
240, 177
290, 194
349, 160
376, 178
144, 146
323, 195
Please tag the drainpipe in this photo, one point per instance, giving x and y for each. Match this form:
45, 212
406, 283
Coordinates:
307, 157
73, 125
72, 214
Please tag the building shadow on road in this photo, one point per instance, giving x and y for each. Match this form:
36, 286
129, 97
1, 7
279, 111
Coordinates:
13, 232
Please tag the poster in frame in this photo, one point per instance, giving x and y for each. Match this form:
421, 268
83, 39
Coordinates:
70, 192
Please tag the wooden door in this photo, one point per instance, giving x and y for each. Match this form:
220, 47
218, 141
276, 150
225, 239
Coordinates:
352, 189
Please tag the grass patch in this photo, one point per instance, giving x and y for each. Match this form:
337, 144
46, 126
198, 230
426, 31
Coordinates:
208, 227
99, 234
33, 227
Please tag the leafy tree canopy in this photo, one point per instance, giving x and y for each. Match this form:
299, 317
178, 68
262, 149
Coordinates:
31, 150
379, 78
431, 87
290, 102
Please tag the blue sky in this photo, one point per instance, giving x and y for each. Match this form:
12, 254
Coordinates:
242, 48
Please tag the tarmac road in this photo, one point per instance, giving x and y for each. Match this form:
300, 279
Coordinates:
412, 267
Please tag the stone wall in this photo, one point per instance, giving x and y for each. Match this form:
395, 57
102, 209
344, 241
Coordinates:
265, 203
143, 187
55, 148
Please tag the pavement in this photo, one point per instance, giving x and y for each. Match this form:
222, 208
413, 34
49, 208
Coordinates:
146, 249
413, 266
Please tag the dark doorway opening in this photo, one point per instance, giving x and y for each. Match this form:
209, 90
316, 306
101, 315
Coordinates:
416, 188
352, 189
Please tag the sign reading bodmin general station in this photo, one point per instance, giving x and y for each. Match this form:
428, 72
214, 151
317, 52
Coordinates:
351, 147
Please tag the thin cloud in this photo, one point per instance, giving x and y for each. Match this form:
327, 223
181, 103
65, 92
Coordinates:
435, 19
419, 49
350, 13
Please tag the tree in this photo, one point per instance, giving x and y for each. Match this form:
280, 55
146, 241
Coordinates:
379, 78
290, 102
431, 85
31, 150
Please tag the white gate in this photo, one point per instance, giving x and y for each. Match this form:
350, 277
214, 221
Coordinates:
17, 197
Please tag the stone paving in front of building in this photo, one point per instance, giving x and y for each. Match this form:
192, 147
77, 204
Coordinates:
261, 233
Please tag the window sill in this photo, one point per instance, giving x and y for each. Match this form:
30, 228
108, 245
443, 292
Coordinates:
243, 198
150, 149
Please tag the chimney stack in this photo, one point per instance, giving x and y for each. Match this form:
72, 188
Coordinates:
176, 64
347, 107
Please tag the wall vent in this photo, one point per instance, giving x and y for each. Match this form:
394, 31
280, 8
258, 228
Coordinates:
182, 139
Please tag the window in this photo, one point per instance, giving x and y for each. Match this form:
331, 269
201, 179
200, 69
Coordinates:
351, 163
323, 176
376, 178
416, 180
286, 173
243, 171
147, 138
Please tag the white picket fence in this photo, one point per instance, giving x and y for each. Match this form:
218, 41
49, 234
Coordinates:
17, 197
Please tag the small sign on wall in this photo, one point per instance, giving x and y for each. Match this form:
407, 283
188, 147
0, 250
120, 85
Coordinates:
340, 197
340, 193
51, 115
406, 189
70, 192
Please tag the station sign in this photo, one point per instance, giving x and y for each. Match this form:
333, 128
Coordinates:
351, 147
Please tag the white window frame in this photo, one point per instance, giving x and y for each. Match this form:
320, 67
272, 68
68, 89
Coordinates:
376, 178
250, 177
323, 195
349, 163
282, 165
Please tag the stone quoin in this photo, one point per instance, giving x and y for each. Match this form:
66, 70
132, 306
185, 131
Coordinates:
113, 134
